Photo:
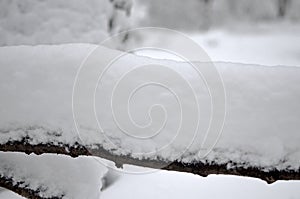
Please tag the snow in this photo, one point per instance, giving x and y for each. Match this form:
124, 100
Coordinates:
266, 44
39, 93
270, 49
261, 125
82, 177
10, 195
168, 184
164, 184
233, 44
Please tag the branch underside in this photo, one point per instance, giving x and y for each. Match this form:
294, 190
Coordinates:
199, 168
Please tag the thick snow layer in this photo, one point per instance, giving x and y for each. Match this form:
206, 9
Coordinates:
262, 119
60, 70
54, 175
55, 21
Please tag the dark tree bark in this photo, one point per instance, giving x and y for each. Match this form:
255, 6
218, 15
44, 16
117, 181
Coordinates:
23, 191
199, 168
77, 149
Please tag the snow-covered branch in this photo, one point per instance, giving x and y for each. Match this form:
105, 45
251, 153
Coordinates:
199, 168
47, 107
51, 176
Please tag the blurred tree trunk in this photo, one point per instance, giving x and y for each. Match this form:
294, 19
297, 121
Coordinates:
282, 8
206, 9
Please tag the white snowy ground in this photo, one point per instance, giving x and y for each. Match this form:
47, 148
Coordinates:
273, 49
163, 184
265, 44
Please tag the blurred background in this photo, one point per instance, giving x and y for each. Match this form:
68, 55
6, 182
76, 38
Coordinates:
247, 31
199, 15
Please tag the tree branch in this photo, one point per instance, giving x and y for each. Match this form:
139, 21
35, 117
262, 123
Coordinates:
199, 168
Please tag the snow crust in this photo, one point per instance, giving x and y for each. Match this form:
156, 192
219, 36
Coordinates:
261, 126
